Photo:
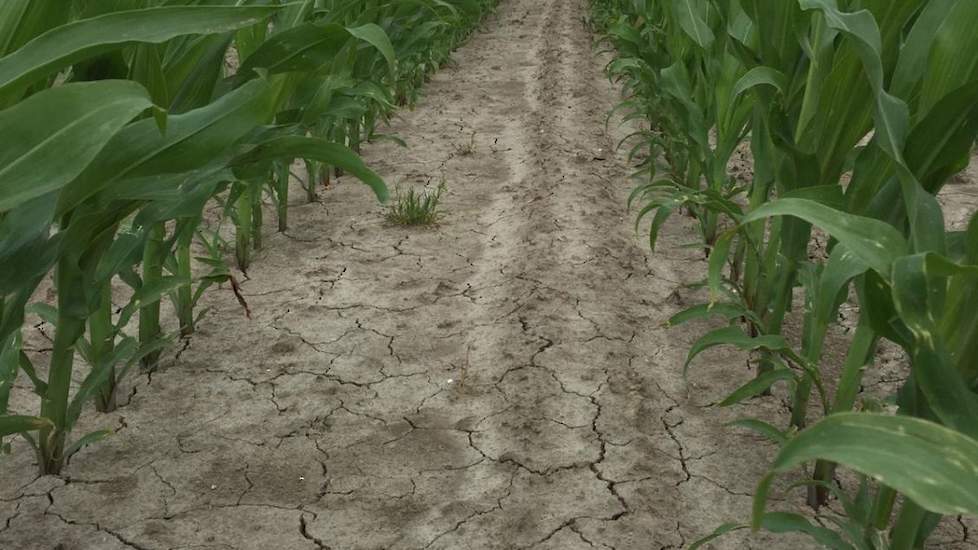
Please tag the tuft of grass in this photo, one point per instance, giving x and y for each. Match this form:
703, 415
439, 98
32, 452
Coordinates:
416, 207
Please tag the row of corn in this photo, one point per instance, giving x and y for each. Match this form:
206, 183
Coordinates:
856, 114
124, 119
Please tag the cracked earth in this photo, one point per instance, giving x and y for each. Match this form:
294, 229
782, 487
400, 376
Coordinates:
500, 381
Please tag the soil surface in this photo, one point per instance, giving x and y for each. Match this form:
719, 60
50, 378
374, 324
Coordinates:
499, 381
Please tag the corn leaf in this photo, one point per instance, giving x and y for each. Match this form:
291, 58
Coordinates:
191, 141
759, 385
876, 243
317, 149
13, 424
73, 42
734, 336
932, 465
55, 134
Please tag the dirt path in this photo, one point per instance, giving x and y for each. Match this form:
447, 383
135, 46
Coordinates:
500, 381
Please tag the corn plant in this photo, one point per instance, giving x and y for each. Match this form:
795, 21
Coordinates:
129, 122
876, 89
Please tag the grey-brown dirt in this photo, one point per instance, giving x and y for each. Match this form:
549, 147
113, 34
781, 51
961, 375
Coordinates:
500, 381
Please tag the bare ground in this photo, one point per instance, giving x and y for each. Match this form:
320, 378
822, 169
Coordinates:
499, 381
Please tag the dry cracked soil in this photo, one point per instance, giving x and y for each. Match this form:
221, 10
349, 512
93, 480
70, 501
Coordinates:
500, 381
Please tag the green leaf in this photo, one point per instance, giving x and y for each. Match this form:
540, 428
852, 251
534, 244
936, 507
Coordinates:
734, 336
947, 68
124, 251
14, 424
728, 311
784, 522
149, 294
934, 466
55, 134
9, 363
372, 34
761, 427
193, 140
85, 441
47, 312
912, 64
692, 16
876, 243
919, 287
717, 533
830, 292
22, 20
305, 48
718, 260
759, 385
317, 149
761, 76
98, 377
71, 43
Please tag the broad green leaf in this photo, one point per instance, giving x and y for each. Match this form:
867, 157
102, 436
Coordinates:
372, 34
876, 243
9, 363
97, 377
841, 268
73, 42
193, 77
22, 20
192, 140
717, 533
306, 48
759, 385
892, 116
828, 195
53, 135
919, 287
13, 424
734, 336
153, 292
761, 76
692, 15
912, 64
146, 68
28, 223
942, 140
761, 427
935, 466
46, 312
317, 149
125, 250
87, 440
718, 260
782, 522
728, 311
947, 68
